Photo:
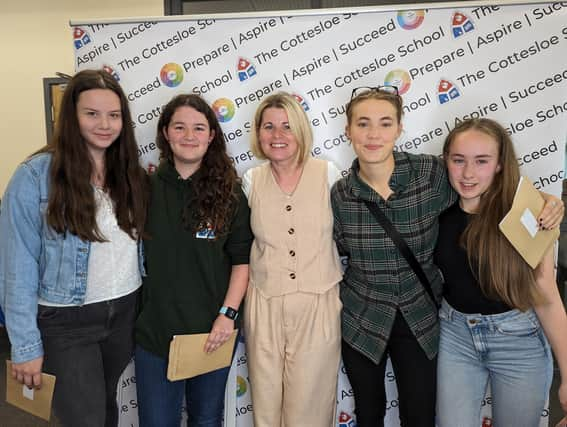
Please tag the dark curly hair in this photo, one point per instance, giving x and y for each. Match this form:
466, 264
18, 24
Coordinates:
216, 184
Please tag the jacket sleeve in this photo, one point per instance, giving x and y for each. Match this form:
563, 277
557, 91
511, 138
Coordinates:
20, 247
440, 182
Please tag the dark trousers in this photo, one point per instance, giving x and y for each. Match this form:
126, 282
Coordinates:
415, 378
87, 348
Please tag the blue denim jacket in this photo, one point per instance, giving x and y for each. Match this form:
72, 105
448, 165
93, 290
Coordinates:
35, 261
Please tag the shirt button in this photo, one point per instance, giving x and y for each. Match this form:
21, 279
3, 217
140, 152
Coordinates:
292, 276
291, 231
288, 208
292, 253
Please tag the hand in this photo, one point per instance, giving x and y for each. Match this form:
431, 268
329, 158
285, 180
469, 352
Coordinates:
28, 373
562, 423
223, 328
552, 213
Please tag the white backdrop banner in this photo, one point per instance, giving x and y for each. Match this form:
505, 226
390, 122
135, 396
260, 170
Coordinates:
506, 62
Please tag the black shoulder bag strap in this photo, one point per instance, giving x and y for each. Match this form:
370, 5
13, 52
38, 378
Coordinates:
402, 247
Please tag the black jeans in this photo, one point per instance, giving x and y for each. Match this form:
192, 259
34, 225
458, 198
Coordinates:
415, 377
87, 348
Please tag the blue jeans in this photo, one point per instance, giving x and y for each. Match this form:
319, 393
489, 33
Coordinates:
509, 350
160, 400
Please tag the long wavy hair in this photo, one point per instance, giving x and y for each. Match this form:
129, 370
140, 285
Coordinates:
500, 270
215, 186
71, 205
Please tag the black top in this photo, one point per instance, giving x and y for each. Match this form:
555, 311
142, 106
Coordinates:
461, 289
187, 273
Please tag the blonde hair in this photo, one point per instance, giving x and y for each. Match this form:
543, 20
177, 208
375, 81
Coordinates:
297, 119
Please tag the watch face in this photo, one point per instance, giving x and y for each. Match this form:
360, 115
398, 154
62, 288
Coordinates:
229, 312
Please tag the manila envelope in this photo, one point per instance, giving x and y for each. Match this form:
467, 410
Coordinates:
520, 224
36, 402
187, 358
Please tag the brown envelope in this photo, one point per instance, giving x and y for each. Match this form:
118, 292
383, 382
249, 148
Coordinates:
187, 358
36, 402
520, 224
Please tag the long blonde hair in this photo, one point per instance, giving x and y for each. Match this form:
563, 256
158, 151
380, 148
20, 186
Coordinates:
500, 270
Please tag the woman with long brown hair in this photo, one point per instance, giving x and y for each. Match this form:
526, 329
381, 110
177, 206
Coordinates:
197, 263
496, 311
70, 266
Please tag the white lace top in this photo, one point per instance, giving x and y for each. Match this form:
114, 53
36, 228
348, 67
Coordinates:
113, 265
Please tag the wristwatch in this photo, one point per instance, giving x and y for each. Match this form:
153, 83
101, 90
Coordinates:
229, 312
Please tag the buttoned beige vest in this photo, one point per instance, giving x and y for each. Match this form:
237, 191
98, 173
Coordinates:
293, 249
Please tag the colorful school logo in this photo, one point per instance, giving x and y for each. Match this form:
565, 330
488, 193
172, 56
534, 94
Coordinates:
461, 24
345, 420
410, 19
207, 231
447, 91
301, 101
399, 78
111, 71
80, 37
245, 69
224, 108
171, 74
241, 386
